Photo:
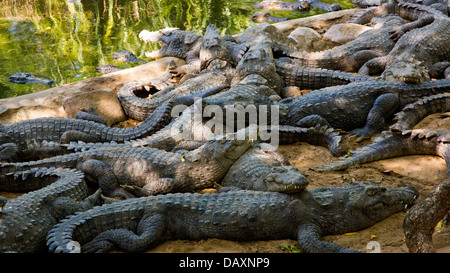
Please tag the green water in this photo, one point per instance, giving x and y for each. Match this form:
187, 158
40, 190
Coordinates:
65, 40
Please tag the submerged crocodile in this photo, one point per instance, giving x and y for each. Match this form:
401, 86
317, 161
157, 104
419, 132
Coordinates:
353, 55
55, 194
124, 56
260, 17
360, 105
152, 170
421, 44
263, 168
310, 78
38, 138
136, 225
394, 144
23, 78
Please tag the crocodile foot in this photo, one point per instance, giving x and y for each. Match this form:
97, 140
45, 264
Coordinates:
362, 133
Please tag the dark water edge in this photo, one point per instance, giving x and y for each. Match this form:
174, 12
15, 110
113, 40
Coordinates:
64, 40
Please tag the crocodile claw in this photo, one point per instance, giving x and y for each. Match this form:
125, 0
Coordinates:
361, 134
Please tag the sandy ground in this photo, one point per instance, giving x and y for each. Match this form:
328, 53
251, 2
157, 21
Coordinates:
423, 172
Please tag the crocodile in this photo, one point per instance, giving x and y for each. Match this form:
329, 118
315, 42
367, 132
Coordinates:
351, 56
215, 76
310, 78
176, 43
395, 144
361, 106
296, 6
441, 5
124, 56
412, 113
41, 137
153, 171
138, 224
54, 194
263, 168
23, 78
420, 44
106, 69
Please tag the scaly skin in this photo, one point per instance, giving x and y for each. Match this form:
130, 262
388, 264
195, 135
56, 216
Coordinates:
364, 105
264, 168
314, 78
136, 225
297, 5
351, 56
420, 45
39, 138
152, 170
390, 144
412, 113
55, 194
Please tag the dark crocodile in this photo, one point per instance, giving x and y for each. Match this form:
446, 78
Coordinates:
441, 5
38, 138
136, 225
23, 78
263, 168
55, 194
412, 113
353, 55
394, 144
310, 78
421, 44
361, 105
152, 170
176, 43
296, 6
124, 56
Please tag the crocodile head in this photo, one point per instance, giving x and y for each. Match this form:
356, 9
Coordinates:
257, 66
284, 179
214, 54
358, 205
408, 72
174, 42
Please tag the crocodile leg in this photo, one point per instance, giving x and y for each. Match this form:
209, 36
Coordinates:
8, 151
89, 114
383, 107
373, 66
159, 186
105, 178
150, 230
312, 121
309, 236
73, 135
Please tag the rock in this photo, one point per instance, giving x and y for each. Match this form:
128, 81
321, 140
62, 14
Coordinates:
48, 103
308, 39
343, 33
103, 101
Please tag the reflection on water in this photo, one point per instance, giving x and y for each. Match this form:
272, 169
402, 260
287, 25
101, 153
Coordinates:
64, 40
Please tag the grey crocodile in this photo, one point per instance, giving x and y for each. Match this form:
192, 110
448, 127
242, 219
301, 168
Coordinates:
420, 44
106, 69
136, 225
412, 113
361, 105
55, 194
124, 56
260, 17
152, 170
394, 144
23, 78
296, 5
176, 43
353, 55
310, 78
264, 168
38, 138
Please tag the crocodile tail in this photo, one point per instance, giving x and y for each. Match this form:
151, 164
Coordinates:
80, 228
63, 161
390, 144
412, 113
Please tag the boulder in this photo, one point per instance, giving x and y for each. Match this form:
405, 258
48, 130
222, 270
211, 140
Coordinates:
308, 39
